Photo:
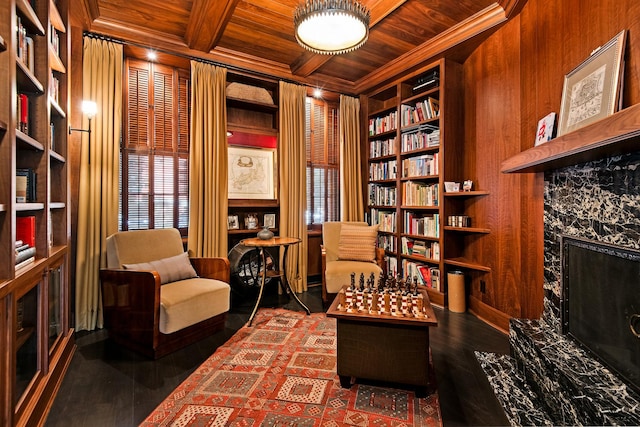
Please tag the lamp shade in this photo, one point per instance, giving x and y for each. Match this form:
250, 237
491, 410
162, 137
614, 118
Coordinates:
331, 26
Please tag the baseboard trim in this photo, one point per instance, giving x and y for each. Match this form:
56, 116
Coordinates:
489, 315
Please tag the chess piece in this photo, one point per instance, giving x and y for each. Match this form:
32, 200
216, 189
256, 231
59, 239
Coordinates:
342, 299
352, 286
361, 282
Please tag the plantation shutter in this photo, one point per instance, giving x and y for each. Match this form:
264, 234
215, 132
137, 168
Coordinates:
322, 140
155, 149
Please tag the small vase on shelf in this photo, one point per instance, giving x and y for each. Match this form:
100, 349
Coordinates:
265, 233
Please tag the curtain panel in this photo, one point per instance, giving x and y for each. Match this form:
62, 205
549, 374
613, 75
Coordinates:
350, 160
208, 162
293, 182
102, 69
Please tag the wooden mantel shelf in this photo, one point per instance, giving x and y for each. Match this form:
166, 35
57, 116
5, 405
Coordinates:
616, 134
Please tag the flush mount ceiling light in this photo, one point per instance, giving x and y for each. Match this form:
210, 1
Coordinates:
331, 26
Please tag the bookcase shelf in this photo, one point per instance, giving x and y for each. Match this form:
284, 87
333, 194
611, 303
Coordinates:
425, 156
37, 49
465, 263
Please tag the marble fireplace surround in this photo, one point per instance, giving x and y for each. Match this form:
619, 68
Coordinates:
549, 379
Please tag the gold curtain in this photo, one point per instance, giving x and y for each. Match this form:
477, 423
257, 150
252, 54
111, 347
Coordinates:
99, 171
350, 166
208, 180
293, 180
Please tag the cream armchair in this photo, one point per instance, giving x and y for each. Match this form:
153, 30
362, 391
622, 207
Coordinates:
155, 298
348, 247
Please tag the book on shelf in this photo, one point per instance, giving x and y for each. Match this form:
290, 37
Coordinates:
25, 253
21, 189
431, 79
23, 113
425, 275
25, 263
26, 229
26, 177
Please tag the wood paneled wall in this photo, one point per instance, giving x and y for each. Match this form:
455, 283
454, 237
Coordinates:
512, 80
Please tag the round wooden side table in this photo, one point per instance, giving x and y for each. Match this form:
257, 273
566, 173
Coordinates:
261, 245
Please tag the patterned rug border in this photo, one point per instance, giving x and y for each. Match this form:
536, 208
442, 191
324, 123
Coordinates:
281, 372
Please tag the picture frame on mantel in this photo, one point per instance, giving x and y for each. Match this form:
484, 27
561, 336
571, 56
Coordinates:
592, 90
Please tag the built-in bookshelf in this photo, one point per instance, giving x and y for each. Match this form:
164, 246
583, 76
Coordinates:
415, 141
34, 216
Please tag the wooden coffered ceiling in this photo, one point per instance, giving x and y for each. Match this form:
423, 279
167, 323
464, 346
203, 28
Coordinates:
258, 35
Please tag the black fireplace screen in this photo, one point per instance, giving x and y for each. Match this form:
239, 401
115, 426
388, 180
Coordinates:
601, 303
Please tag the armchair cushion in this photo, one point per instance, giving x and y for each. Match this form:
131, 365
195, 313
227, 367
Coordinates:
357, 243
170, 269
338, 274
187, 302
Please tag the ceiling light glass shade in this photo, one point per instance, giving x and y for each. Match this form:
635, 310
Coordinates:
331, 26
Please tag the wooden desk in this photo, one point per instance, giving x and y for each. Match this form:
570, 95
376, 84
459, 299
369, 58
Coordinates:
383, 347
261, 244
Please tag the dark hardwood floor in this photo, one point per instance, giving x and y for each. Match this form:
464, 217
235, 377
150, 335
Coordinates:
110, 386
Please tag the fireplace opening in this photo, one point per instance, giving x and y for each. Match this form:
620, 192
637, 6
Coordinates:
601, 303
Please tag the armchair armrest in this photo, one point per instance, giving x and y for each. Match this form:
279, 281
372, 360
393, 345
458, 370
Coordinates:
131, 302
380, 260
213, 268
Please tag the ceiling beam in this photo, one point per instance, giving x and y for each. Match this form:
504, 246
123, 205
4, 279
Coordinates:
486, 19
207, 22
307, 63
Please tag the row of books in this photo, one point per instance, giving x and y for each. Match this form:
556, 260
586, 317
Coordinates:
25, 254
424, 165
383, 124
385, 219
392, 266
383, 170
379, 148
428, 226
55, 39
25, 50
421, 111
387, 242
25, 246
380, 195
54, 87
427, 276
429, 250
25, 185
420, 139
420, 194
22, 104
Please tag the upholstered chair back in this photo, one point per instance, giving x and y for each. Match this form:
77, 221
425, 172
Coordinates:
138, 246
331, 237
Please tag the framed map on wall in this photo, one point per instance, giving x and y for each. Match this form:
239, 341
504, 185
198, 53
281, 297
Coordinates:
252, 173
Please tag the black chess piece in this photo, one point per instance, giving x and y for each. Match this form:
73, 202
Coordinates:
415, 285
352, 287
361, 287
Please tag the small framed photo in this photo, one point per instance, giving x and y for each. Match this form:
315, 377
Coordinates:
270, 220
233, 223
591, 91
546, 129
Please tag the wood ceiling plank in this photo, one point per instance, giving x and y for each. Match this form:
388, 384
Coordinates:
207, 23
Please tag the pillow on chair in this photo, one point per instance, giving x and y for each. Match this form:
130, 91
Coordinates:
357, 243
170, 269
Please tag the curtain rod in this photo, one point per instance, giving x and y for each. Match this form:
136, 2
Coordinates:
183, 55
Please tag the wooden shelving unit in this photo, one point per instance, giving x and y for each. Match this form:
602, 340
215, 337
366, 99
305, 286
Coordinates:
35, 357
405, 142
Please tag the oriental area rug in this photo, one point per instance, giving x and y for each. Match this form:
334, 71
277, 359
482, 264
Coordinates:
282, 372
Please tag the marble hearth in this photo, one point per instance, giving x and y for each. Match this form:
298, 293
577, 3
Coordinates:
549, 379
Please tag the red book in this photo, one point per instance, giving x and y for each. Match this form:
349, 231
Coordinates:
26, 230
24, 112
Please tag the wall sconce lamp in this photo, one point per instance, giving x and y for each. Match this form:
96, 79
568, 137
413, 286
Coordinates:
89, 109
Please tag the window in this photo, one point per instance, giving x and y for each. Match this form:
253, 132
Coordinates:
154, 181
323, 164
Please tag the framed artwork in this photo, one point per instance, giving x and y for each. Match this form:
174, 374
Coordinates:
270, 220
592, 89
252, 173
546, 127
232, 222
